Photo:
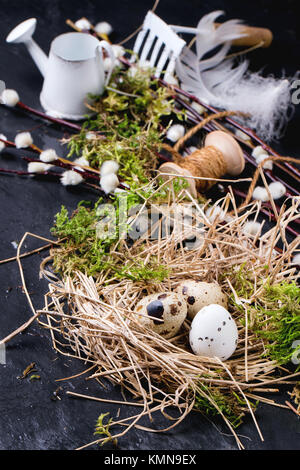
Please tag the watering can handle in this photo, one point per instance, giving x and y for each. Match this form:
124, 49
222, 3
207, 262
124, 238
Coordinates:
105, 45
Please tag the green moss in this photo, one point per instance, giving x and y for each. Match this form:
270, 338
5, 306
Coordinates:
227, 401
274, 316
129, 116
91, 246
102, 429
136, 271
277, 319
242, 280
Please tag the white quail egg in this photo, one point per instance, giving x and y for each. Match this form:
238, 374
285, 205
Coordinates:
214, 333
163, 312
198, 294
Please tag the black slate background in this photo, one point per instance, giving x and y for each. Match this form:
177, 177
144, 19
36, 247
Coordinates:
29, 419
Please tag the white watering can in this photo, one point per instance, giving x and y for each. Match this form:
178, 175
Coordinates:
73, 70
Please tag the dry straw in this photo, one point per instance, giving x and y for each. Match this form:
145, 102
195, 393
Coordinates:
93, 319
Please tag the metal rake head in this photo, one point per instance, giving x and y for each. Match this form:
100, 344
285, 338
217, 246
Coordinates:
158, 44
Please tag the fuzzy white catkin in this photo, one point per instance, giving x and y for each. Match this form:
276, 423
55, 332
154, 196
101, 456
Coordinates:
252, 228
83, 24
37, 167
48, 156
175, 132
118, 51
296, 259
277, 190
81, 161
257, 151
242, 135
108, 167
260, 194
103, 28
23, 140
189, 150
71, 178
267, 165
90, 136
10, 98
2, 144
216, 212
198, 107
109, 183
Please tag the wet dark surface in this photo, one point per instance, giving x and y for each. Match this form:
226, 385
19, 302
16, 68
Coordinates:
29, 418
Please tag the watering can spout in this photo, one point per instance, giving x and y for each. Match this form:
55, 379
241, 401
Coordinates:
23, 34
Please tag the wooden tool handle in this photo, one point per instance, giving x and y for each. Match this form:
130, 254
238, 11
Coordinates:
253, 36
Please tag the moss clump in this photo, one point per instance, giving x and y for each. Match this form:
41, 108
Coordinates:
82, 250
93, 237
129, 118
274, 315
227, 401
277, 319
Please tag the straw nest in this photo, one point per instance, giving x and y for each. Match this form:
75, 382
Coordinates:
94, 317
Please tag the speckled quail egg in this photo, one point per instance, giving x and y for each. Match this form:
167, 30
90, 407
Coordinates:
198, 294
214, 333
163, 313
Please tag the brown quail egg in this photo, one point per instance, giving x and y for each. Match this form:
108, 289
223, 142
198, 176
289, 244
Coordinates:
163, 313
198, 294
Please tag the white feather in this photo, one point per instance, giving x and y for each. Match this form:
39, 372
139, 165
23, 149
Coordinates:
223, 84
